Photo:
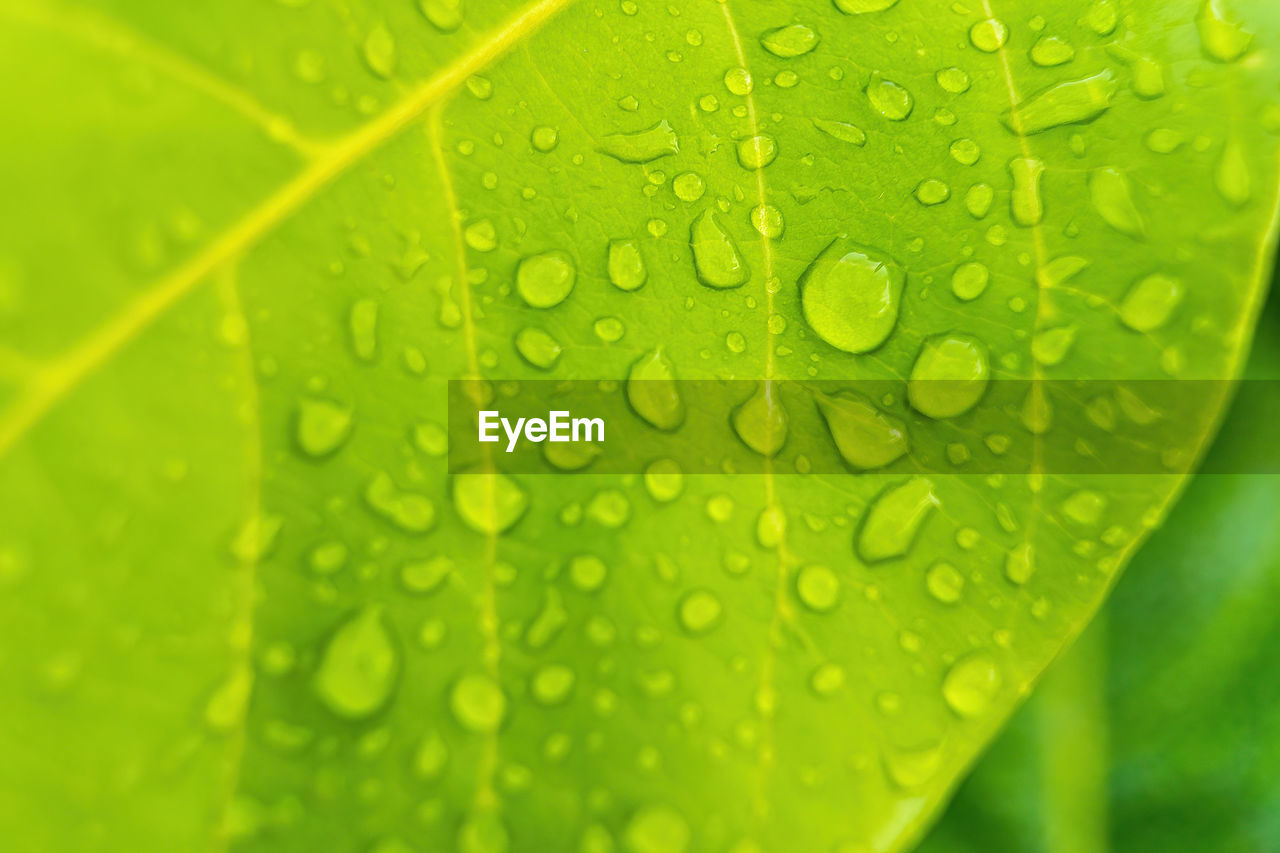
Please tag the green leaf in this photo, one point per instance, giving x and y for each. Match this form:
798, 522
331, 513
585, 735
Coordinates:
1157, 730
244, 247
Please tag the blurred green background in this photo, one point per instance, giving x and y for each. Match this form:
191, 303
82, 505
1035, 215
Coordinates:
1159, 730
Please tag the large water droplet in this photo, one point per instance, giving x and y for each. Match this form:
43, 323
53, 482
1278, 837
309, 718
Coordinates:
652, 391
970, 280
1025, 203
322, 426
1150, 302
1222, 38
1072, 102
971, 683
489, 502
627, 270
761, 421
950, 375
818, 588
716, 258
478, 703
546, 279
380, 52
988, 35
850, 295
864, 436
894, 519
538, 348
789, 41
643, 146
1113, 199
889, 99
756, 152
1049, 51
359, 667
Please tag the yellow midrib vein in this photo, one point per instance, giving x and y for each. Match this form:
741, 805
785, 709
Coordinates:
55, 380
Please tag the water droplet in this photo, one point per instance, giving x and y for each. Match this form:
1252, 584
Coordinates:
652, 391
966, 152
1084, 507
950, 375
756, 152
544, 138
688, 186
842, 130
1072, 102
609, 329
411, 512
988, 35
888, 98
552, 685
971, 684
322, 426
978, 200
1232, 175
1026, 203
1020, 564
700, 611
818, 588
430, 758
363, 323
738, 81
664, 480
478, 703
226, 707
627, 270
969, 281
588, 572
545, 280
1222, 38
850, 295
1149, 303
488, 502
859, 7
380, 52
767, 219
911, 768
716, 258
656, 829
642, 146
481, 236
827, 679
953, 80
538, 348
423, 577
789, 41
1101, 17
359, 666
761, 421
931, 191
864, 436
444, 15
1060, 270
944, 582
1051, 51
894, 519
1113, 199
1050, 347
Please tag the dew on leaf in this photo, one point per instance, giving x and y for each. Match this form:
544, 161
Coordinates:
538, 348
546, 279
688, 186
422, 577
1231, 177
609, 329
552, 685
864, 436
1060, 270
642, 146
738, 81
841, 130
716, 258
954, 80
410, 511
931, 191
380, 52
789, 41
431, 756
889, 99
1150, 302
1072, 102
761, 421
544, 138
818, 588
359, 666
767, 220
949, 376
444, 15
481, 236
1020, 564
911, 768
1101, 17
966, 152
1084, 507
894, 519
609, 508
969, 281
1222, 38
627, 270
978, 200
860, 7
1050, 346
363, 323
971, 684
656, 829
587, 572
756, 152
850, 295
226, 707
328, 557
1112, 197
1025, 202
944, 582
478, 703
827, 679
653, 393
1050, 51
664, 480
988, 35
489, 502
322, 426
700, 611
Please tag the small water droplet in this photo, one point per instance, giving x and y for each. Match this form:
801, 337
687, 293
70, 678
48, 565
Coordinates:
1050, 347
1150, 302
627, 269
481, 236
411, 512
969, 281
954, 80
545, 280
944, 582
664, 480
1025, 202
544, 138
322, 426
688, 186
1020, 564
767, 219
363, 323
865, 437
380, 52
538, 348
716, 258
642, 146
444, 15
842, 130
700, 611
789, 41
818, 588
949, 376
489, 502
652, 391
971, 684
478, 703
423, 577
656, 829
1051, 51
889, 99
359, 666
588, 572
861, 7
850, 295
1232, 177
931, 191
761, 421
988, 35
756, 152
1221, 37
894, 519
1113, 199
738, 81
552, 685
